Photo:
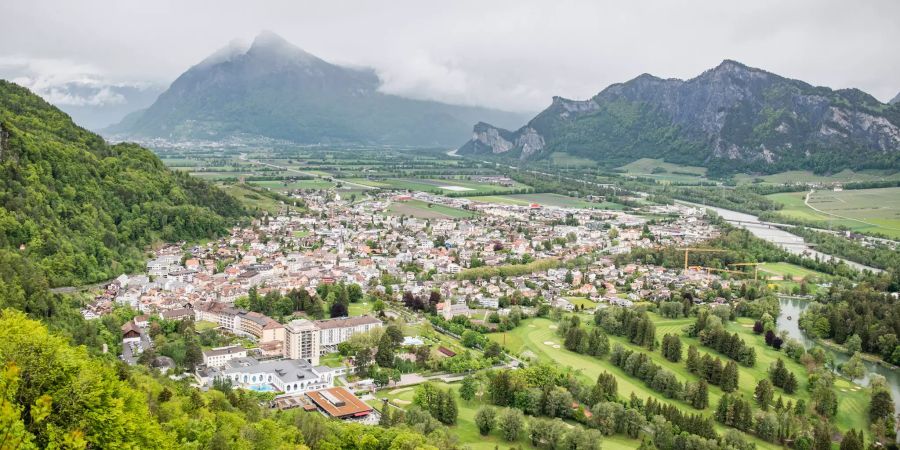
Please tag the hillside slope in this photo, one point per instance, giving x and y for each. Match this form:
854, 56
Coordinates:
730, 118
83, 210
277, 90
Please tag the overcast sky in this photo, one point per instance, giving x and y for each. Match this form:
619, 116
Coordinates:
507, 54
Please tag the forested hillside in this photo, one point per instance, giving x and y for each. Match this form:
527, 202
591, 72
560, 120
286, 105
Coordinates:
53, 395
83, 210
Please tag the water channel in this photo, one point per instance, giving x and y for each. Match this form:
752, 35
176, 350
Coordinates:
788, 321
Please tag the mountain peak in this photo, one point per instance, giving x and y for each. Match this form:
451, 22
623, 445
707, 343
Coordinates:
269, 39
269, 43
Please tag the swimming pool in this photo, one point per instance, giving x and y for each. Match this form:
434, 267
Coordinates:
262, 388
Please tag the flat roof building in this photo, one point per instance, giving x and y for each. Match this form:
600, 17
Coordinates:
338, 402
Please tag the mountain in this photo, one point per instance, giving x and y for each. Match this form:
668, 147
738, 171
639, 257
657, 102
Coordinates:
730, 118
895, 100
277, 90
83, 210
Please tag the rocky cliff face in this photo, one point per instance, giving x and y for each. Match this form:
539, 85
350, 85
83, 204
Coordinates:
895, 100
729, 118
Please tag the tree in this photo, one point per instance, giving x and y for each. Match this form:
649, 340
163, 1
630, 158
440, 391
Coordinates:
729, 381
492, 350
469, 388
700, 398
511, 422
854, 367
671, 347
395, 333
470, 338
484, 419
822, 436
385, 420
853, 344
361, 361
764, 394
853, 440
881, 406
385, 355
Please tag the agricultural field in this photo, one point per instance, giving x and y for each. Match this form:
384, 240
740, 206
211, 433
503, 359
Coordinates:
563, 159
457, 184
290, 185
553, 200
862, 210
664, 172
536, 338
254, 201
425, 210
804, 176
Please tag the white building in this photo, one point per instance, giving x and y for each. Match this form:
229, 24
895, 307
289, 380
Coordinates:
289, 376
334, 331
217, 357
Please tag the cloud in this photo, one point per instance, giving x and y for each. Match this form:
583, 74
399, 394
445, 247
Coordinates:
63, 82
511, 54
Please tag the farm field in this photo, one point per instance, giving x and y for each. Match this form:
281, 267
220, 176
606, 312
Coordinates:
563, 159
554, 200
286, 185
425, 210
664, 171
862, 210
456, 184
253, 200
537, 337
804, 176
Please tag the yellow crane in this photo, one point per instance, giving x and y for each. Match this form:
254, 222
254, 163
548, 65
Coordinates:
713, 269
692, 249
755, 268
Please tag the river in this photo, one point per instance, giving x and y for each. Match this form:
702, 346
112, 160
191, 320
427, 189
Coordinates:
792, 307
786, 240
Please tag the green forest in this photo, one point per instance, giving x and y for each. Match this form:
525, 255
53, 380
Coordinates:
84, 210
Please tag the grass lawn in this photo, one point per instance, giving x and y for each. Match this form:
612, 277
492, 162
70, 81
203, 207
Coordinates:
538, 337
204, 325
581, 302
424, 210
332, 360
444, 185
359, 308
794, 271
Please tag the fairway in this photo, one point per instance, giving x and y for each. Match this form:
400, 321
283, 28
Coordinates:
466, 429
424, 210
862, 210
537, 337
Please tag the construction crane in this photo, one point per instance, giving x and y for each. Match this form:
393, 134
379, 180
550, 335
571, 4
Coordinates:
692, 249
713, 269
755, 268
